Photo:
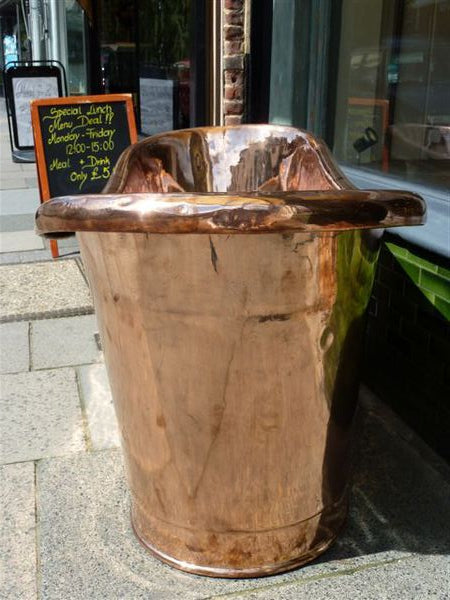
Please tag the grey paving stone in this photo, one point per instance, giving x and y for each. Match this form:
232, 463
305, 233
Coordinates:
13, 241
31, 182
87, 547
19, 202
400, 512
419, 578
64, 342
7, 167
41, 290
17, 532
400, 501
68, 242
28, 167
13, 181
13, 258
98, 406
17, 223
41, 415
14, 350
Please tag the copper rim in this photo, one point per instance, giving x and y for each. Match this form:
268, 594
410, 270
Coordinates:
334, 210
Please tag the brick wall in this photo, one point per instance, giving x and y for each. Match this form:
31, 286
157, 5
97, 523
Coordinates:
234, 61
407, 357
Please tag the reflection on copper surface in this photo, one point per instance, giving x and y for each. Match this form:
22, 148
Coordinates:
254, 212
233, 359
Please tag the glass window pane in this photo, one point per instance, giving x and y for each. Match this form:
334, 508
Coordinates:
393, 92
164, 64
117, 32
76, 48
145, 49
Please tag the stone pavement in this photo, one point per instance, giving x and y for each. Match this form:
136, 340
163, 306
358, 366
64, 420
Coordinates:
65, 531
19, 199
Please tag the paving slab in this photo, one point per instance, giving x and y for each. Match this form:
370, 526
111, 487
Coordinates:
19, 202
418, 578
13, 241
14, 348
8, 169
63, 342
68, 242
11, 181
31, 181
98, 407
30, 256
17, 532
17, 223
41, 415
40, 290
399, 511
87, 547
7, 166
28, 167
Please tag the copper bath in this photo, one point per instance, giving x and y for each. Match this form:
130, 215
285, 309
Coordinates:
230, 293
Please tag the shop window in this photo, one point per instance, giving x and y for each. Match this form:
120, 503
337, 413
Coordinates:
164, 65
146, 49
370, 76
117, 29
393, 89
76, 48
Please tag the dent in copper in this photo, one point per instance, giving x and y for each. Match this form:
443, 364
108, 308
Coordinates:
233, 359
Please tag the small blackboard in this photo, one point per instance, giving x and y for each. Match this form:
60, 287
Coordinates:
78, 140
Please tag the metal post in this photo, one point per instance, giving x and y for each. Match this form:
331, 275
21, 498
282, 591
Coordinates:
19, 35
36, 28
57, 47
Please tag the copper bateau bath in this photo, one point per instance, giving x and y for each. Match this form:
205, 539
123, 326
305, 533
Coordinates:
231, 269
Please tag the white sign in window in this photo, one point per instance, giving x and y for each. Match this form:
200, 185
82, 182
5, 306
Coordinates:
156, 105
26, 89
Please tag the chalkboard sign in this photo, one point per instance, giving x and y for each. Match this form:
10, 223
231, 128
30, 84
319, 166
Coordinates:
78, 140
26, 82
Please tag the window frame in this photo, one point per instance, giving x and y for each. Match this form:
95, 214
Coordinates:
319, 98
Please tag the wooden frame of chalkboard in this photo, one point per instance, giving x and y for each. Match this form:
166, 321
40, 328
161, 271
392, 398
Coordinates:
59, 150
78, 140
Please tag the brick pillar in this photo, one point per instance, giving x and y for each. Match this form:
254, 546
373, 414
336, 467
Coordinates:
235, 36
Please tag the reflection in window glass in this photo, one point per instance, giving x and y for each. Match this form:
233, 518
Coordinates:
164, 65
145, 49
393, 95
10, 52
117, 32
76, 48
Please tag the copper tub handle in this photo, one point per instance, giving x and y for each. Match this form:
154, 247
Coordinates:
228, 213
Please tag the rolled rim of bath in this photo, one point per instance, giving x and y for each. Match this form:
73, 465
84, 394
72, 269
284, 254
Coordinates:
229, 213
